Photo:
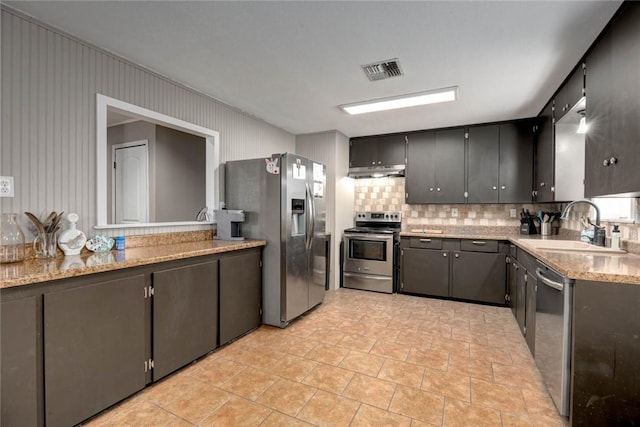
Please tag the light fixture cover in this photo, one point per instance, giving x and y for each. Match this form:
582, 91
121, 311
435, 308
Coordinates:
403, 101
582, 126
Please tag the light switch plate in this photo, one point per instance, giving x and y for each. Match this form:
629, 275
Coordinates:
6, 186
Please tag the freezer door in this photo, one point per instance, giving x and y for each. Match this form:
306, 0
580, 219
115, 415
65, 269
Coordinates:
296, 226
318, 257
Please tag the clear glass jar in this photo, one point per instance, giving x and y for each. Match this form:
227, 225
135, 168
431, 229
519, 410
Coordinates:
11, 239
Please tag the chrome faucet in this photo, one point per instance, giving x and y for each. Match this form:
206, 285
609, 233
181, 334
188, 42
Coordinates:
598, 232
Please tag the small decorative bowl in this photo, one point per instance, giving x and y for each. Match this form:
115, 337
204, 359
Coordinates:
100, 243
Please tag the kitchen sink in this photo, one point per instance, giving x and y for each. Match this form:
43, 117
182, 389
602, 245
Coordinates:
570, 246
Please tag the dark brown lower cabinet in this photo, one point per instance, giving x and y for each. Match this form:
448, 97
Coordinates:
606, 355
21, 374
530, 310
425, 272
71, 348
521, 297
94, 348
241, 291
522, 291
478, 276
185, 315
466, 269
513, 280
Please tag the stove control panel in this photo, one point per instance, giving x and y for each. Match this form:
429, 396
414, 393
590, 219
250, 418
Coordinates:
379, 216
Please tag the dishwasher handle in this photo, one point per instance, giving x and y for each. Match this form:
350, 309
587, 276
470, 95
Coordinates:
551, 283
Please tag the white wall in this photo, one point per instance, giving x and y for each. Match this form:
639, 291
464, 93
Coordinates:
332, 149
49, 86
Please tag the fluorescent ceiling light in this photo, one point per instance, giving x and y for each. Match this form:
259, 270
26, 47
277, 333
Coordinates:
402, 101
582, 127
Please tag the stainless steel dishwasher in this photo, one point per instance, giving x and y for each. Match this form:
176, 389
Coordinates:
554, 301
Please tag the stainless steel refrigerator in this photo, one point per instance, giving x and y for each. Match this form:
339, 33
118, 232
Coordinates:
283, 198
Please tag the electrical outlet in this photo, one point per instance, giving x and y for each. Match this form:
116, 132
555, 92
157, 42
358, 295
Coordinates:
512, 213
6, 186
454, 212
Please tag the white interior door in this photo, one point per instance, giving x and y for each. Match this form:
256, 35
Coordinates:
131, 182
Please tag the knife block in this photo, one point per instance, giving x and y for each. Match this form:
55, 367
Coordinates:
528, 228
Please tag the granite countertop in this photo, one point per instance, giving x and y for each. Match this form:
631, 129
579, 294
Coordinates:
34, 270
493, 233
616, 268
603, 267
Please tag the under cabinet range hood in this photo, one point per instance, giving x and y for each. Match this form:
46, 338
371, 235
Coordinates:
376, 171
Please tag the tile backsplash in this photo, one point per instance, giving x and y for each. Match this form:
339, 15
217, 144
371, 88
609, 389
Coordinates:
388, 194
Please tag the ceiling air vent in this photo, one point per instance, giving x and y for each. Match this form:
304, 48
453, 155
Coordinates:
383, 70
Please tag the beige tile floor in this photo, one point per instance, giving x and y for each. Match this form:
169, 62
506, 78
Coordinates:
359, 359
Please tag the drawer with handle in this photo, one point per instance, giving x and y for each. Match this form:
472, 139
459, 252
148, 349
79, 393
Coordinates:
426, 242
479, 245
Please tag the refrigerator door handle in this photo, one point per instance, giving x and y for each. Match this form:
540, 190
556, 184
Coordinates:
309, 217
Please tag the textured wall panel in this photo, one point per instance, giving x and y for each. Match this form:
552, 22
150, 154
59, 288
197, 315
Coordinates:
49, 87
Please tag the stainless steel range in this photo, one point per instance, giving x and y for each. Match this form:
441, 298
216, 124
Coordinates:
370, 258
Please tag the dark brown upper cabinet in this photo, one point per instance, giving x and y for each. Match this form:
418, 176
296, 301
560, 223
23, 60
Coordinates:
613, 108
382, 150
500, 162
435, 166
545, 155
570, 92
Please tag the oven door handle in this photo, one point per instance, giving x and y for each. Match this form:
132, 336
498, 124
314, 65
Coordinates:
365, 276
551, 283
369, 236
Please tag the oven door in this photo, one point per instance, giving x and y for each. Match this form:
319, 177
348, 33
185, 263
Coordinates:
370, 254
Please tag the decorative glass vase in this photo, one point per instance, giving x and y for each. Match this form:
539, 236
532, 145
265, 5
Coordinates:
11, 239
45, 245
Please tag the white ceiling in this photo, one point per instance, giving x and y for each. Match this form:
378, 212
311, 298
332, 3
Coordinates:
291, 63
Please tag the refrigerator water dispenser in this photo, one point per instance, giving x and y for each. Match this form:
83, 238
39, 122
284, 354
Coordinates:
298, 218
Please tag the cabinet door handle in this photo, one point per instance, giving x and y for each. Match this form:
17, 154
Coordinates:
605, 162
504, 187
479, 242
457, 255
430, 188
444, 254
613, 160
438, 189
426, 240
542, 184
494, 187
373, 163
379, 162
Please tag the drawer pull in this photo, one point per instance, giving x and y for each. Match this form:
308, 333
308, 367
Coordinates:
444, 254
425, 240
479, 242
